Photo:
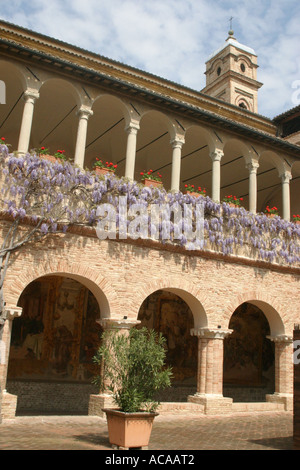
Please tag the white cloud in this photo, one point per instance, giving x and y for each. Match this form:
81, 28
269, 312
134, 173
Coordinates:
173, 38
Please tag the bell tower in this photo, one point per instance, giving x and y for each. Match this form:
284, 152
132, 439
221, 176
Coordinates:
231, 74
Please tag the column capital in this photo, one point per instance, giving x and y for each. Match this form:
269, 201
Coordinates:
216, 155
132, 128
177, 142
281, 338
12, 312
210, 333
117, 324
286, 176
31, 95
85, 112
252, 166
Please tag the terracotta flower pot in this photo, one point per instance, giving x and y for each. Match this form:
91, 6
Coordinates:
193, 193
271, 215
129, 430
50, 158
103, 171
154, 183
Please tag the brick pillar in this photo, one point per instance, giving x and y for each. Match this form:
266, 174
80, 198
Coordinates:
283, 371
104, 399
9, 402
210, 371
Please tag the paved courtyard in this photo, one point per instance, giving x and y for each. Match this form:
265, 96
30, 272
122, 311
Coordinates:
255, 431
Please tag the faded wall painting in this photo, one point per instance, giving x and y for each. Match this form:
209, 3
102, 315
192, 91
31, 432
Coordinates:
170, 315
57, 335
248, 354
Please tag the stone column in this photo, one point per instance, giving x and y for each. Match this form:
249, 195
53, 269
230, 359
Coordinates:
176, 163
210, 371
9, 402
286, 203
84, 114
132, 131
252, 167
30, 96
283, 371
216, 156
104, 399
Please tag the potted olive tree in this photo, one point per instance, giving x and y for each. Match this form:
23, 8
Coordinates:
133, 370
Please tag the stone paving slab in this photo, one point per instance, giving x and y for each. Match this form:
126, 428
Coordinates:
245, 431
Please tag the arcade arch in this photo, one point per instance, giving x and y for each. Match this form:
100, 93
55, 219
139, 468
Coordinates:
295, 189
175, 312
52, 346
106, 135
55, 122
269, 185
249, 355
153, 150
12, 110
234, 171
167, 313
196, 164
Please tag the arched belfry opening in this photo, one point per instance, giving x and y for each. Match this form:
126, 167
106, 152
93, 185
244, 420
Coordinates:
167, 313
52, 346
249, 356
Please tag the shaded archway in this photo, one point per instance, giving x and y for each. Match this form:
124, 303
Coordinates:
55, 121
106, 135
269, 186
249, 356
12, 110
196, 164
295, 190
169, 314
52, 345
234, 173
154, 150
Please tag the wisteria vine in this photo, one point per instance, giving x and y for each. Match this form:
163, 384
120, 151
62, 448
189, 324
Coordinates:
57, 195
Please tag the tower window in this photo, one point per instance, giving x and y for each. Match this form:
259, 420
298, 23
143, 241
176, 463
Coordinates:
243, 68
219, 71
242, 105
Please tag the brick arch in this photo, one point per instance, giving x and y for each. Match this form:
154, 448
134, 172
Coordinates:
90, 278
268, 305
185, 290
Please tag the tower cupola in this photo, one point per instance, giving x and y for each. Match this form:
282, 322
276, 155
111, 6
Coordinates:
231, 74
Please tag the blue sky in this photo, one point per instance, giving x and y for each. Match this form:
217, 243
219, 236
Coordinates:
174, 38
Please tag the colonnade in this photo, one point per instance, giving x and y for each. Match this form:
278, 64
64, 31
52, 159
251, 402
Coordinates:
177, 141
209, 374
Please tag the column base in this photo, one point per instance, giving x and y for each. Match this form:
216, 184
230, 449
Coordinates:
213, 404
98, 402
286, 399
8, 406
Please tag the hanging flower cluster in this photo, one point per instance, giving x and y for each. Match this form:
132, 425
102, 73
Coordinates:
56, 195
